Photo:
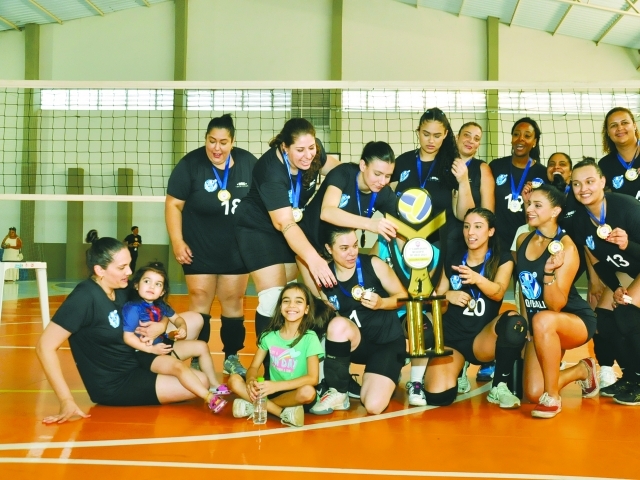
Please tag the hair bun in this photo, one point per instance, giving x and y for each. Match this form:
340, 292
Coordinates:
92, 236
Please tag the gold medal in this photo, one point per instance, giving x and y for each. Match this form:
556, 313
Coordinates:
357, 292
603, 231
555, 247
472, 304
297, 214
631, 174
514, 206
224, 195
172, 335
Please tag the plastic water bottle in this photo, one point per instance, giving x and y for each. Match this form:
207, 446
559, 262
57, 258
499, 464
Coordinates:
260, 408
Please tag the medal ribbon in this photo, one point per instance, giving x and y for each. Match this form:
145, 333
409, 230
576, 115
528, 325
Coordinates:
223, 183
602, 219
556, 235
358, 273
419, 166
464, 262
515, 194
295, 192
372, 201
627, 166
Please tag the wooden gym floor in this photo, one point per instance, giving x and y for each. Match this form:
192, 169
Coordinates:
591, 438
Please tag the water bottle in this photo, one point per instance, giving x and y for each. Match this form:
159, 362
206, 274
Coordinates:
260, 408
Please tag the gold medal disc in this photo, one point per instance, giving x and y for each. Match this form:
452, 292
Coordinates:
297, 214
631, 174
603, 231
555, 247
357, 292
224, 195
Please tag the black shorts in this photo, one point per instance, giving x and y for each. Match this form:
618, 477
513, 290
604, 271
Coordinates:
386, 359
191, 270
260, 249
138, 389
465, 347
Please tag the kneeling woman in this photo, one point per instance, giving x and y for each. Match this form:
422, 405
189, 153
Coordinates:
367, 330
547, 262
475, 284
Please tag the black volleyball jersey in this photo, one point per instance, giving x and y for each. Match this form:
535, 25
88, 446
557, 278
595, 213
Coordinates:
271, 190
344, 178
531, 279
566, 220
207, 221
377, 326
614, 172
463, 322
508, 222
622, 211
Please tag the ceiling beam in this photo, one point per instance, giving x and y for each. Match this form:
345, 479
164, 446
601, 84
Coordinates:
46, 12
146, 3
515, 10
615, 22
461, 7
631, 4
12, 25
92, 5
555, 30
578, 3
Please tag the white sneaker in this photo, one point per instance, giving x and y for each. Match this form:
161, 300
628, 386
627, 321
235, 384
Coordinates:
242, 408
415, 392
330, 401
292, 416
607, 376
463, 381
501, 395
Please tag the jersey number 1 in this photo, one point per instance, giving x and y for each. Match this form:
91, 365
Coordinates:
234, 205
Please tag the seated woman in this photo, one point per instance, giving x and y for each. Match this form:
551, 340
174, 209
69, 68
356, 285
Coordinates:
475, 283
547, 262
91, 320
367, 330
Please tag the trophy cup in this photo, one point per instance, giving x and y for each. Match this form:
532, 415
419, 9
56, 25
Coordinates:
414, 206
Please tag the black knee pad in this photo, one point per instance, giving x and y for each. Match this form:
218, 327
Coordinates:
442, 399
511, 330
606, 321
627, 319
205, 333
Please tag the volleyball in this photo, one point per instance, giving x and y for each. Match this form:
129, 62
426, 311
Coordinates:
414, 205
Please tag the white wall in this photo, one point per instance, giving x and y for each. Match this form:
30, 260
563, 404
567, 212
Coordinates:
12, 55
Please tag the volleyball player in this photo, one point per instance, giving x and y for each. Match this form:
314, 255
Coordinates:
205, 189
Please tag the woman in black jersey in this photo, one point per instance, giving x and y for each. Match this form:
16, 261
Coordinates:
204, 191
512, 173
367, 330
609, 228
475, 283
620, 142
472, 173
284, 179
547, 262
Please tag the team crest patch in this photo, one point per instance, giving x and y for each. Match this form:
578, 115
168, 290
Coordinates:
114, 319
455, 281
618, 181
502, 178
344, 199
211, 185
590, 243
530, 286
404, 175
333, 300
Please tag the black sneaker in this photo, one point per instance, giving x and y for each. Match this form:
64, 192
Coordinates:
621, 386
630, 397
354, 386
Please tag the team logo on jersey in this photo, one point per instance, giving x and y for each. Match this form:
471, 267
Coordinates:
502, 178
590, 243
455, 281
211, 185
569, 214
312, 184
530, 286
333, 300
618, 181
344, 199
242, 185
114, 319
404, 175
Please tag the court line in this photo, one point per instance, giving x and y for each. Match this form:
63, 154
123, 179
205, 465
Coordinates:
235, 435
287, 468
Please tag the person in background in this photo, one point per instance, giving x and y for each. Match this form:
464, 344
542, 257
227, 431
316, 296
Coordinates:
11, 245
133, 242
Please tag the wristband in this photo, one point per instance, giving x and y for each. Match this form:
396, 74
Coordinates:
550, 273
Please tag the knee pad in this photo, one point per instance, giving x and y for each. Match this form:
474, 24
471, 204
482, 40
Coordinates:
267, 301
606, 322
511, 330
442, 399
627, 319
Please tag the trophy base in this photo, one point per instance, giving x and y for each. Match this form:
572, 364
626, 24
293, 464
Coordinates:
443, 353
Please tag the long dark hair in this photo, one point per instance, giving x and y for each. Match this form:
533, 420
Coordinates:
308, 320
156, 267
101, 251
535, 151
292, 129
491, 267
448, 151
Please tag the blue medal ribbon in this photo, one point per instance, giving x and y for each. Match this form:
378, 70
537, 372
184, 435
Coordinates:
358, 273
419, 166
515, 194
602, 219
295, 192
625, 165
464, 262
223, 183
554, 238
566, 189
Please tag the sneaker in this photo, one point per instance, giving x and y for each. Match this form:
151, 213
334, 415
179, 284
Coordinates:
354, 386
195, 363
630, 397
607, 377
221, 389
486, 371
216, 403
242, 408
322, 388
292, 416
463, 381
415, 392
330, 401
547, 407
590, 386
232, 365
501, 395
621, 386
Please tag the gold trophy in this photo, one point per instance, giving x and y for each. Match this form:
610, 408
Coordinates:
414, 206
